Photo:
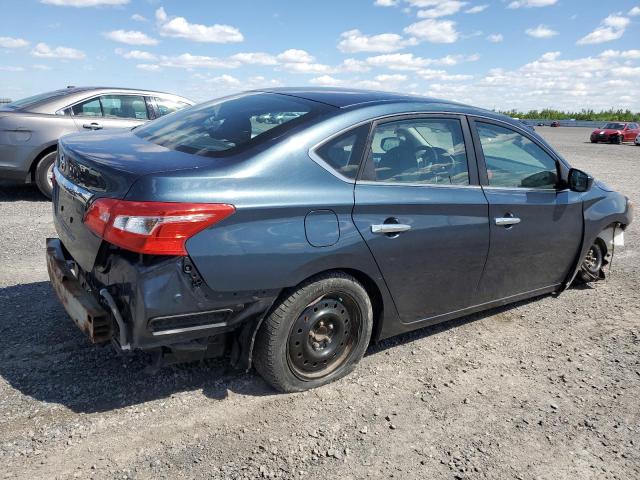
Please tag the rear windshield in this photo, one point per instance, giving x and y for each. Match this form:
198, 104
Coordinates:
229, 125
26, 102
614, 126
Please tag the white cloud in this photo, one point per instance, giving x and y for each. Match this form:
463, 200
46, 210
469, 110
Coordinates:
611, 28
225, 80
84, 3
495, 37
149, 67
541, 31
396, 77
634, 12
407, 61
43, 50
130, 37
136, 55
355, 41
435, 31
627, 54
442, 75
386, 3
294, 55
139, 18
354, 66
477, 9
326, 81
255, 58
179, 27
532, 3
439, 8
189, 61
302, 67
10, 42
9, 68
39, 66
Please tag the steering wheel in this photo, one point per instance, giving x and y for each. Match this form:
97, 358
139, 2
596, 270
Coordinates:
422, 156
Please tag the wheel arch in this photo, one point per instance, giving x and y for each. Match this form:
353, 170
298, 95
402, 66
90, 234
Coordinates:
242, 352
34, 163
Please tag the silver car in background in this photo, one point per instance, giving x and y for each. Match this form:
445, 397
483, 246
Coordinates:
30, 128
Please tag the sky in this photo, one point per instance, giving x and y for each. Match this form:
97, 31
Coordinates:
500, 54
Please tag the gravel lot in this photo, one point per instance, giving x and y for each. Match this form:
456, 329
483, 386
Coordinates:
542, 389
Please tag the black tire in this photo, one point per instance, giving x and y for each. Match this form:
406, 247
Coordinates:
619, 140
43, 172
324, 346
592, 263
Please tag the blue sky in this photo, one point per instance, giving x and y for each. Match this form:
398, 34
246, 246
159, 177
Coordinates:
523, 54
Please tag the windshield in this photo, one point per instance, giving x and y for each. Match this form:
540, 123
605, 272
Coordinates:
226, 126
614, 126
25, 102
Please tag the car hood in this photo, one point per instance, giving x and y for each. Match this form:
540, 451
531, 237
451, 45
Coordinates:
607, 131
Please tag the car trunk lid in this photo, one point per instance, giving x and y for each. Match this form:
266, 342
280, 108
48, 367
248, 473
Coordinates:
103, 165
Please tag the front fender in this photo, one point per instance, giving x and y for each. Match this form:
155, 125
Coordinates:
601, 209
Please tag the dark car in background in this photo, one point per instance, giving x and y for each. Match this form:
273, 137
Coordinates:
30, 128
616, 132
555, 123
292, 246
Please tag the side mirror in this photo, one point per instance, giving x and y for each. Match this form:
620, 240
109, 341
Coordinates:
579, 181
388, 143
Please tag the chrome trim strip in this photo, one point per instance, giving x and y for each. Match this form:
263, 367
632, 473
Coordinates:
193, 328
74, 190
401, 184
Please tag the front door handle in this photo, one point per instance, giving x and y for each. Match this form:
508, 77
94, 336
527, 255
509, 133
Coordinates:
390, 228
92, 126
507, 221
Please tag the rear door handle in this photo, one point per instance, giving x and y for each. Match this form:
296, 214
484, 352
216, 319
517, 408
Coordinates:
92, 126
507, 221
390, 228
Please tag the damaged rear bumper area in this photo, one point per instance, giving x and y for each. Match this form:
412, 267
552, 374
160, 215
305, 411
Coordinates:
152, 305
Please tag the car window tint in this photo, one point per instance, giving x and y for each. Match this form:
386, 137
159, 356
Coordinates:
421, 151
344, 153
88, 108
166, 106
515, 161
124, 106
222, 127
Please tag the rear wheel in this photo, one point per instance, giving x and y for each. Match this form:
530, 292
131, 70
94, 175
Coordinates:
44, 174
619, 139
316, 335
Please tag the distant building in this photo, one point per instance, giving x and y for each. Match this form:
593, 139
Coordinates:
5, 100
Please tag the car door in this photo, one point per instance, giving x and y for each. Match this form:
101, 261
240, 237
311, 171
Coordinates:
421, 211
162, 106
631, 132
536, 222
110, 111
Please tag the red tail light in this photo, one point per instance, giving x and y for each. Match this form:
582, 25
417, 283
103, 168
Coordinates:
156, 228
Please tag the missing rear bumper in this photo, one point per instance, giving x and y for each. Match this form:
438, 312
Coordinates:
83, 308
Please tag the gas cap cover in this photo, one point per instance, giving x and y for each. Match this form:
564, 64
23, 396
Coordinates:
321, 228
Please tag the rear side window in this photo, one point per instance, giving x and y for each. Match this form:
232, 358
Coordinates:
227, 126
513, 160
344, 153
166, 106
428, 151
124, 106
88, 108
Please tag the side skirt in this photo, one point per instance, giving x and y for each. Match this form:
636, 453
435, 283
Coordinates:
403, 327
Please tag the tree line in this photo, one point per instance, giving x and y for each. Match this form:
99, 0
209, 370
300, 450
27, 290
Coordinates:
584, 114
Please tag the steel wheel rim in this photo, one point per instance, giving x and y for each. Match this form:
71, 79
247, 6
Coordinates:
50, 176
592, 260
324, 336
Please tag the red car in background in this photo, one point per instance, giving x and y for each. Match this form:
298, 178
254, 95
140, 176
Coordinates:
616, 132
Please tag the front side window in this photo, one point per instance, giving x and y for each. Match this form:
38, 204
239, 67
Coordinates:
88, 108
223, 127
614, 126
513, 160
166, 106
124, 106
427, 151
344, 153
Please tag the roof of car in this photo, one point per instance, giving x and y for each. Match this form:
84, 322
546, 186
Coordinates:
348, 97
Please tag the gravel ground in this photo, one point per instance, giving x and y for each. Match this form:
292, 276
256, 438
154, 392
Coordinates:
541, 389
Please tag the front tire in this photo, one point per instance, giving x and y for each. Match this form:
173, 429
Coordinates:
44, 174
316, 335
591, 267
